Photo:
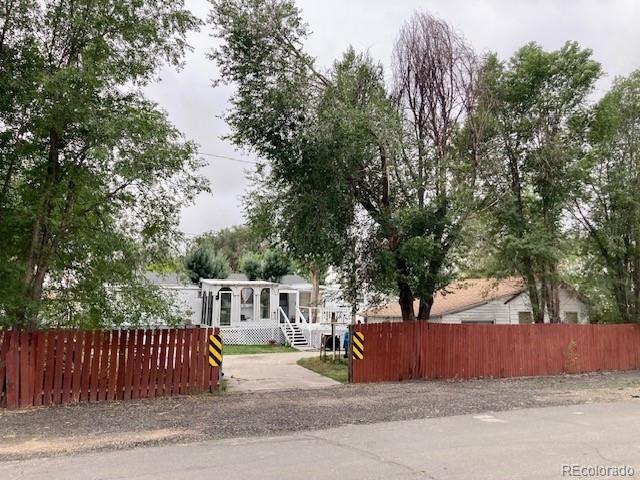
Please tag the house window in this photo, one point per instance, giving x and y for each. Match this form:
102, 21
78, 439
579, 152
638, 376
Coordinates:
525, 318
265, 304
570, 317
203, 310
246, 304
209, 308
225, 306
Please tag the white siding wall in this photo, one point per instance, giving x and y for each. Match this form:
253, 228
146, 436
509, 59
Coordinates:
188, 299
568, 303
494, 311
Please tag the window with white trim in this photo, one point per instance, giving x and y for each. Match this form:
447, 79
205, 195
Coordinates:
246, 304
265, 304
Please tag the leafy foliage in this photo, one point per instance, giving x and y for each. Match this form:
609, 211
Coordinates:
93, 175
608, 208
251, 266
275, 265
204, 262
460, 166
231, 242
346, 127
539, 108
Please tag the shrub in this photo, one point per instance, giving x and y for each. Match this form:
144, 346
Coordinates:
204, 262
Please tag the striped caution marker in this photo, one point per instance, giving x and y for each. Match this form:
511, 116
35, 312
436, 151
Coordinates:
358, 346
215, 350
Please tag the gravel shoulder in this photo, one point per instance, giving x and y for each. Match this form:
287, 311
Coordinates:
123, 425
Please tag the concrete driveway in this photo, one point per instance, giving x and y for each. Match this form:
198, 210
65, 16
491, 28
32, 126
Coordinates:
271, 371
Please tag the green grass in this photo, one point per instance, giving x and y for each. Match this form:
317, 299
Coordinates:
250, 349
335, 369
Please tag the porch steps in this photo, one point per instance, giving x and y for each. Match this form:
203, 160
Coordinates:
294, 335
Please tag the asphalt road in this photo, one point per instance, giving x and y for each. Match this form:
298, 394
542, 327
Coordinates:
519, 444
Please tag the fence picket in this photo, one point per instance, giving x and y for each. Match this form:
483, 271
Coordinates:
96, 343
67, 366
153, 380
76, 379
171, 363
13, 371
40, 351
146, 353
103, 369
199, 381
186, 363
162, 367
87, 354
122, 364
4, 348
58, 368
137, 364
113, 365
177, 369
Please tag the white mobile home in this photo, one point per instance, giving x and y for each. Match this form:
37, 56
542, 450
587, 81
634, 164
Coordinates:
260, 312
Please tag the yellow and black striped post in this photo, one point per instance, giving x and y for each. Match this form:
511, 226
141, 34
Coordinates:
215, 350
358, 346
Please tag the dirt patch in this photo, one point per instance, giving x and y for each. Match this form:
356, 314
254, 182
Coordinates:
118, 425
56, 445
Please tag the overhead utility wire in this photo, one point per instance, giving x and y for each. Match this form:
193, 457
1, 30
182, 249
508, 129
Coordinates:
231, 159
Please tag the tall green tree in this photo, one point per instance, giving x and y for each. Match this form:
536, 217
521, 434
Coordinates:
233, 243
251, 266
275, 265
433, 175
204, 262
93, 174
539, 101
608, 207
273, 114
408, 158
348, 161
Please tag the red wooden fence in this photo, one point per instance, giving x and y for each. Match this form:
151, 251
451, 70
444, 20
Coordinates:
66, 366
420, 350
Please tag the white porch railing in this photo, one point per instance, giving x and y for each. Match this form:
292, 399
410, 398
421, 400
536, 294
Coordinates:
303, 325
326, 315
293, 333
286, 327
300, 317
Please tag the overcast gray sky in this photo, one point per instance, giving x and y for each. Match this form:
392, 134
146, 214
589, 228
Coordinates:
608, 27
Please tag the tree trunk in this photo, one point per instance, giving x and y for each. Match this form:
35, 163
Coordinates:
621, 295
552, 298
315, 293
424, 312
406, 302
537, 304
37, 262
